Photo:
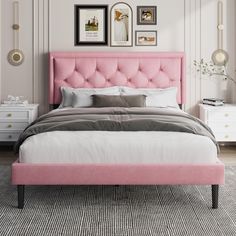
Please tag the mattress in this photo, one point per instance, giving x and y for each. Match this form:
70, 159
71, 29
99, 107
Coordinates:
118, 147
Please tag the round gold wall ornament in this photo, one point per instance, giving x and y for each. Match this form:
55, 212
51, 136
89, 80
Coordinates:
15, 57
220, 57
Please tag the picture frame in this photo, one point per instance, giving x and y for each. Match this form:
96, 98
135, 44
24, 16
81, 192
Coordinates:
146, 15
146, 38
91, 25
121, 24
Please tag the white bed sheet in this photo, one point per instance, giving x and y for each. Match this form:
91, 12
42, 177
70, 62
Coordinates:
106, 147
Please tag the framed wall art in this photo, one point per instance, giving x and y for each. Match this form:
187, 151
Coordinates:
91, 25
146, 38
146, 15
121, 25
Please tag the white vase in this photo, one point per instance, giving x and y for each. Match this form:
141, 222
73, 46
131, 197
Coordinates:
224, 84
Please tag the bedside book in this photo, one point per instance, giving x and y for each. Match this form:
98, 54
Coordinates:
213, 101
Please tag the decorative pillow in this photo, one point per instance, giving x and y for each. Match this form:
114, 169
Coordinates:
119, 101
163, 99
147, 91
155, 97
82, 100
83, 95
66, 94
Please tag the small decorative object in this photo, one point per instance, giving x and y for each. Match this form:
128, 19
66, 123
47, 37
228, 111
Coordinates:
15, 57
121, 25
210, 69
146, 38
146, 15
15, 101
91, 25
220, 57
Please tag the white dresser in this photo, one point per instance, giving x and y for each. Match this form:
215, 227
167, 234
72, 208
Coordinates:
222, 121
13, 120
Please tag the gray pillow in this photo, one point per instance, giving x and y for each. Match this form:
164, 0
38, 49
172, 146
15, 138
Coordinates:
82, 97
119, 101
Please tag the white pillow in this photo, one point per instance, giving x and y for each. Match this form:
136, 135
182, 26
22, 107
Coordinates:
155, 97
83, 95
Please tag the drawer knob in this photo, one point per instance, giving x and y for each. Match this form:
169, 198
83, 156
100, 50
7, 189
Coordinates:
226, 136
10, 136
9, 126
226, 126
226, 114
9, 115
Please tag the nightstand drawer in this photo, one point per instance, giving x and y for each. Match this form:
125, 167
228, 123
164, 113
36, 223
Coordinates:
14, 119
9, 136
14, 115
223, 126
222, 116
225, 136
13, 125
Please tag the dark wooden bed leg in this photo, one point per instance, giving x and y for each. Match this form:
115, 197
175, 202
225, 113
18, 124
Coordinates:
21, 193
215, 196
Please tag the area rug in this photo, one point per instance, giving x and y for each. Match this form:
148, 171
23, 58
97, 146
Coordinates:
118, 210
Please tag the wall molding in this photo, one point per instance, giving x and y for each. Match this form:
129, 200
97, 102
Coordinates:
41, 42
33, 53
0, 50
193, 52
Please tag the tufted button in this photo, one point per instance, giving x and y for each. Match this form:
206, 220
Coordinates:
150, 80
87, 80
129, 80
108, 80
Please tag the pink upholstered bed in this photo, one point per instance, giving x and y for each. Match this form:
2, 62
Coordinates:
99, 70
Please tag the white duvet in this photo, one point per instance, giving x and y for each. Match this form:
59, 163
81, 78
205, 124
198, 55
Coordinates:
105, 147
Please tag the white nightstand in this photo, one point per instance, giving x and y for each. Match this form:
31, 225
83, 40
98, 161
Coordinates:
222, 121
13, 120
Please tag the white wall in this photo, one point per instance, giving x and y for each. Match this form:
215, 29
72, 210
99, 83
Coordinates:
170, 32
48, 25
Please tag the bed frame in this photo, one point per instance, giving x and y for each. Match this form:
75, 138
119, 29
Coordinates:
146, 70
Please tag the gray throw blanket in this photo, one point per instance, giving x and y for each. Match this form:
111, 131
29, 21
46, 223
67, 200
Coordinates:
116, 119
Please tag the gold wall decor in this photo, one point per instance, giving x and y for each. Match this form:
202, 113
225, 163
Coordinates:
15, 57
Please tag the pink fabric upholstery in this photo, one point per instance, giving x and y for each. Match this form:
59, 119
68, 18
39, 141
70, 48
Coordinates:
99, 70
75, 174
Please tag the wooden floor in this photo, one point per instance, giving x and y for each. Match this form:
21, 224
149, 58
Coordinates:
227, 155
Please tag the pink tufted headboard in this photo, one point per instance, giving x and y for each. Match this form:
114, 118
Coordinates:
99, 70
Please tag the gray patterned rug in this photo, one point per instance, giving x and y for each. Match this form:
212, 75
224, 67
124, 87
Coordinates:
123, 210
